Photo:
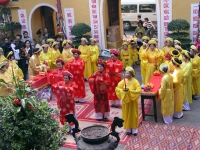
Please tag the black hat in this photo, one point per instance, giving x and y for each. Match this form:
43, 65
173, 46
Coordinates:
140, 21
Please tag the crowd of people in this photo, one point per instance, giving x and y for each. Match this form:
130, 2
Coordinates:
69, 68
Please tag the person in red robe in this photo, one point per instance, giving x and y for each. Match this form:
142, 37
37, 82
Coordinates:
114, 68
99, 84
76, 66
65, 92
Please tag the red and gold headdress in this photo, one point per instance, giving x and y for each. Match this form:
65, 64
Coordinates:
101, 62
114, 51
76, 51
60, 60
67, 73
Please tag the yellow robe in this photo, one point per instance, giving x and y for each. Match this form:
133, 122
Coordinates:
45, 57
55, 54
2, 58
171, 67
4, 91
94, 50
134, 53
167, 49
86, 57
50, 49
129, 102
126, 57
153, 57
161, 57
187, 84
166, 93
178, 89
143, 64
34, 66
67, 55
196, 75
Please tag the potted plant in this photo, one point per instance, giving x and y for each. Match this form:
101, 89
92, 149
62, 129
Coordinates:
27, 123
79, 30
179, 28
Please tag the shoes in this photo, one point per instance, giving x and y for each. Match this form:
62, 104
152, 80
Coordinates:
135, 134
178, 118
194, 98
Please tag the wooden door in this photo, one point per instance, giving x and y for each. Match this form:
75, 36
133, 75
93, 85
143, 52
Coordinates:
113, 9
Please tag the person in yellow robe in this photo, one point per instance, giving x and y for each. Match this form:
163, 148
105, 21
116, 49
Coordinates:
195, 72
125, 55
166, 93
168, 49
175, 54
129, 91
134, 52
35, 66
178, 88
2, 57
13, 67
94, 50
50, 43
160, 52
4, 88
177, 42
45, 56
143, 63
67, 54
187, 73
55, 54
86, 57
152, 56
145, 39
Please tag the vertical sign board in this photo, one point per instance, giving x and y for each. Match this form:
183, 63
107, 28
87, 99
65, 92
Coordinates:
23, 20
194, 22
166, 18
95, 21
69, 18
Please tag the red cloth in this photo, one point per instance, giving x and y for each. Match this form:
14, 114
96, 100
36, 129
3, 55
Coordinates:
65, 96
114, 69
56, 76
76, 67
38, 81
99, 83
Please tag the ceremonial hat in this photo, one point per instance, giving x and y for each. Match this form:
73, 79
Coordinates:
187, 54
60, 60
178, 47
124, 43
177, 61
114, 51
67, 73
54, 44
84, 39
177, 41
37, 50
50, 40
155, 39
9, 54
164, 68
76, 51
152, 42
93, 40
101, 62
65, 42
168, 39
175, 53
2, 63
131, 70
45, 45
194, 48
145, 38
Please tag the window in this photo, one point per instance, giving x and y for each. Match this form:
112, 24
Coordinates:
129, 8
147, 8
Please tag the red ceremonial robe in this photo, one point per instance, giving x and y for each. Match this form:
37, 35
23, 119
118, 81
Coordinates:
99, 83
114, 69
65, 94
76, 67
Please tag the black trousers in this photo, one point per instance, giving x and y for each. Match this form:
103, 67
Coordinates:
24, 67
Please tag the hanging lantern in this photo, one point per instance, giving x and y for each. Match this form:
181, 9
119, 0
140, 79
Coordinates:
4, 2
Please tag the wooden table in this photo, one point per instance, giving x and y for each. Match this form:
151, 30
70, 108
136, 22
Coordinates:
156, 80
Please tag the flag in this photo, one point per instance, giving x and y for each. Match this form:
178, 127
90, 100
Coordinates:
60, 19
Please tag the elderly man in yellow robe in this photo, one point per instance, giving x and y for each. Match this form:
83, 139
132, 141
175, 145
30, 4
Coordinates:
129, 91
166, 93
67, 54
126, 55
45, 55
187, 73
94, 50
2, 57
86, 57
4, 88
55, 54
35, 66
195, 72
50, 43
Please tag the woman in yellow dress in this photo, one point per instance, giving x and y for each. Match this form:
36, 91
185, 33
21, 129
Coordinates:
187, 73
166, 93
2, 57
152, 56
129, 91
55, 54
86, 57
13, 67
67, 54
35, 66
134, 52
45, 56
125, 55
50, 43
168, 49
178, 88
4, 89
94, 50
195, 72
175, 54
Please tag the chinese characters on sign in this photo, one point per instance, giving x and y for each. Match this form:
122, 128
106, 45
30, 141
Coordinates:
166, 17
69, 18
194, 22
23, 20
95, 21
